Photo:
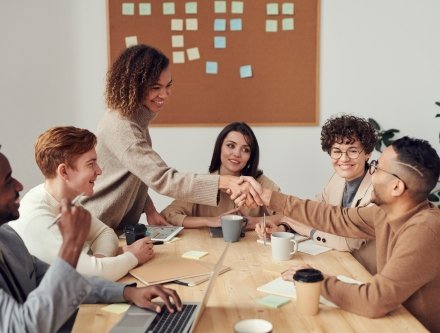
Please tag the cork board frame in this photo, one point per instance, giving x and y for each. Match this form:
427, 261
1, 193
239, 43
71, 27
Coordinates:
284, 87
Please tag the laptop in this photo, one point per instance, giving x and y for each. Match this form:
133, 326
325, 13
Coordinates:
138, 320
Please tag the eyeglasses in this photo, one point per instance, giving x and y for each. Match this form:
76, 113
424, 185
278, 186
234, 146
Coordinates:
351, 153
372, 167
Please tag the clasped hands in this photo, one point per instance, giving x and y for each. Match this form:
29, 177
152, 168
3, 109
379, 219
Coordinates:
243, 190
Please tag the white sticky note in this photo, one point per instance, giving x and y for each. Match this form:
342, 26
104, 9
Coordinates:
287, 8
176, 25
236, 24
177, 41
191, 8
168, 8
288, 24
144, 8
220, 7
193, 53
245, 71
237, 7
272, 9
271, 25
194, 254
219, 25
131, 41
178, 57
219, 42
128, 8
211, 67
192, 24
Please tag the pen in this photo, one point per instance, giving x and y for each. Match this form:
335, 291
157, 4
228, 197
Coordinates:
157, 242
73, 203
181, 283
264, 228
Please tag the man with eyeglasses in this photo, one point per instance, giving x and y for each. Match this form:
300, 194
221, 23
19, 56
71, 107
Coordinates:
404, 223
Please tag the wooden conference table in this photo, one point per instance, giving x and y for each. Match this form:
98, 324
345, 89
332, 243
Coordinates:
235, 292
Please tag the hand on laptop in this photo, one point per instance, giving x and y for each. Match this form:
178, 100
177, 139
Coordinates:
142, 297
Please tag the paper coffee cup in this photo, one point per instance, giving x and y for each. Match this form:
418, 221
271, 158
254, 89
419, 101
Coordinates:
308, 289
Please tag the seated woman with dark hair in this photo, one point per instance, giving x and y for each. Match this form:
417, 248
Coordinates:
236, 153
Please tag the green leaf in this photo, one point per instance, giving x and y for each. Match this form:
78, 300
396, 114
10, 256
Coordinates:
377, 146
437, 115
433, 198
438, 103
374, 124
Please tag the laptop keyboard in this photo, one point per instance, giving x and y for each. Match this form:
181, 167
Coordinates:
167, 322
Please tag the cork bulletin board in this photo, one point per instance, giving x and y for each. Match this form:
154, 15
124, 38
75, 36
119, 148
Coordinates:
254, 61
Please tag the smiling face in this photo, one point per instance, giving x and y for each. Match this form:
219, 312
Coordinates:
346, 167
81, 177
235, 154
9, 192
158, 94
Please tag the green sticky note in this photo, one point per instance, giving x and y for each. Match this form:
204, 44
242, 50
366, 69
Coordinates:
273, 301
144, 8
220, 7
191, 8
288, 8
237, 7
128, 8
288, 24
271, 25
272, 9
168, 8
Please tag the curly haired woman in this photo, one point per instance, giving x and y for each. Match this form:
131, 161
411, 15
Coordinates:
138, 85
349, 140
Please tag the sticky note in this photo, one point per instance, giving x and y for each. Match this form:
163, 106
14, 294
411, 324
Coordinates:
131, 41
235, 24
220, 7
245, 71
168, 8
211, 67
144, 8
178, 57
219, 25
288, 24
271, 25
193, 53
194, 254
128, 8
117, 308
177, 41
287, 8
219, 42
192, 24
191, 8
272, 9
273, 301
237, 7
176, 25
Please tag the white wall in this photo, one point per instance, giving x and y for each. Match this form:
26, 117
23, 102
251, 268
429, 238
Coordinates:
379, 59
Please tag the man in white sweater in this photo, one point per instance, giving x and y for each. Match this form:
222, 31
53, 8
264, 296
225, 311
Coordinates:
67, 158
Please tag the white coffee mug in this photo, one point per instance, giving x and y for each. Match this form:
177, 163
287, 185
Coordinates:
283, 245
253, 326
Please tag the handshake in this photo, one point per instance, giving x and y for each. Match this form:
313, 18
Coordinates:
245, 191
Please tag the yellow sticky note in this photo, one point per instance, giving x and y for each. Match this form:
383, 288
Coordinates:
117, 308
128, 8
176, 25
237, 7
194, 254
192, 24
193, 53
131, 41
288, 8
177, 41
178, 58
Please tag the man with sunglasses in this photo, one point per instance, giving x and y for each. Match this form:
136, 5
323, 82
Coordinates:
404, 223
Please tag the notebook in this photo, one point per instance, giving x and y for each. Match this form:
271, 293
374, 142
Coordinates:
137, 320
